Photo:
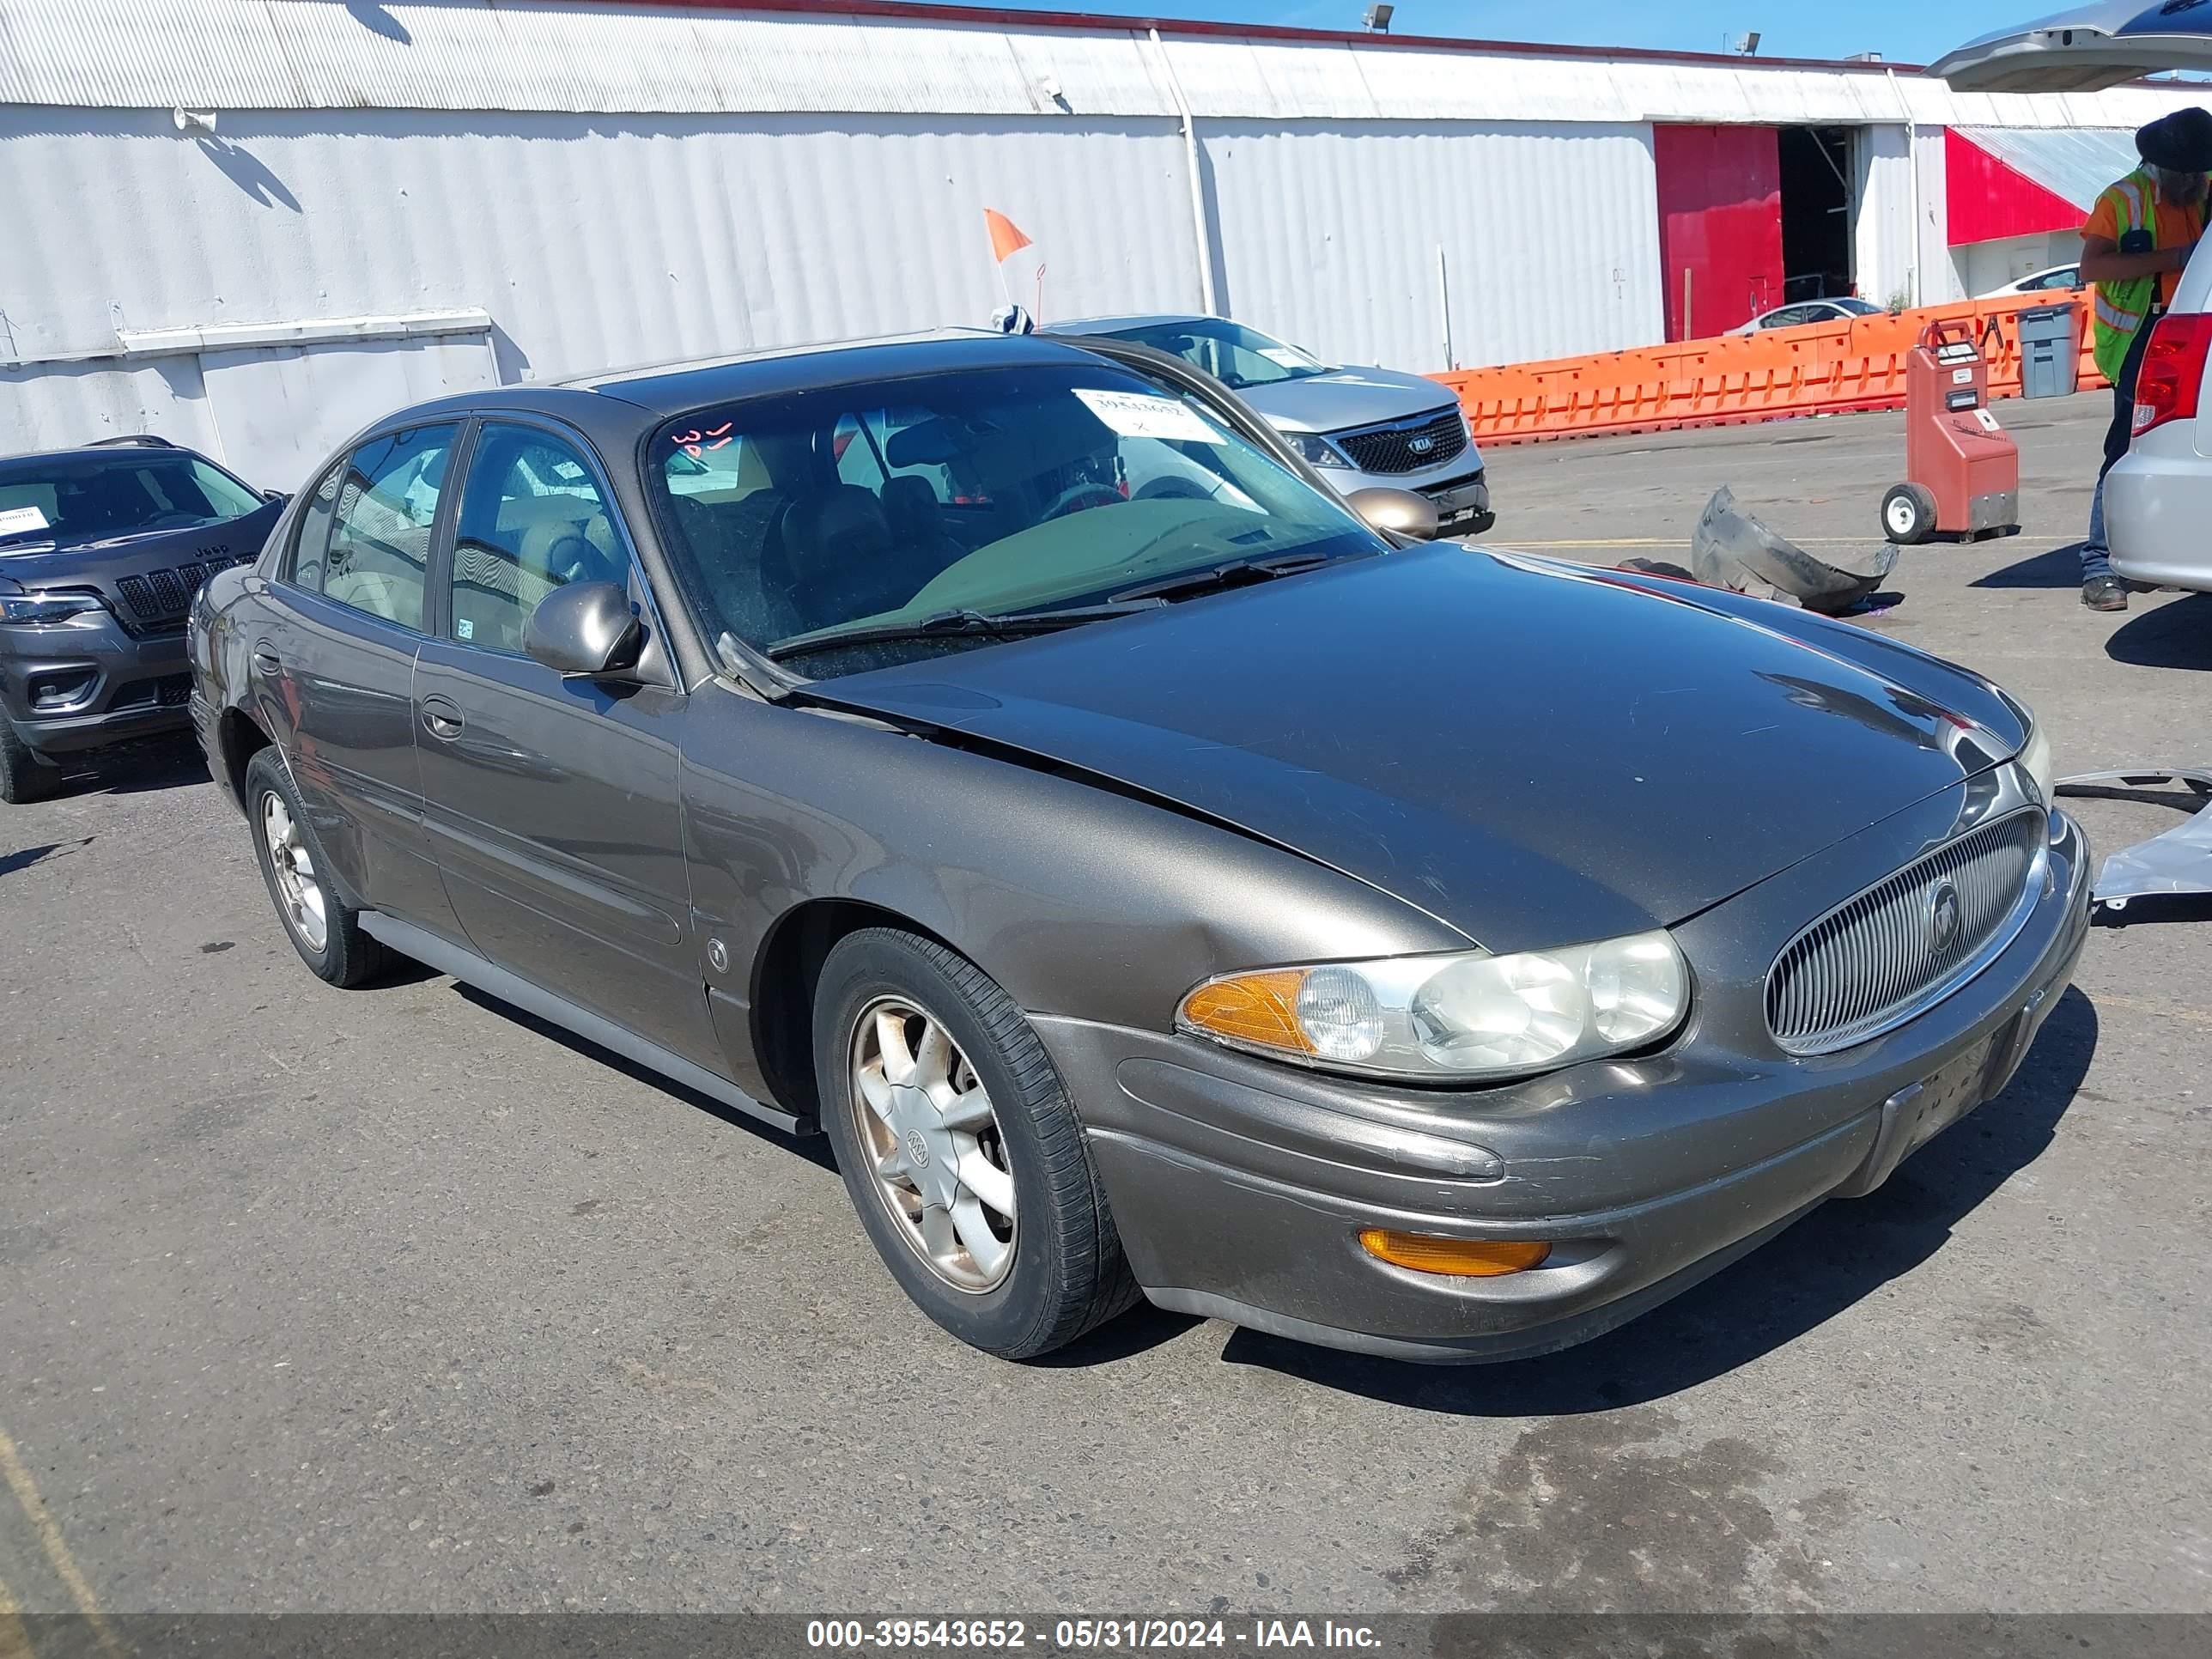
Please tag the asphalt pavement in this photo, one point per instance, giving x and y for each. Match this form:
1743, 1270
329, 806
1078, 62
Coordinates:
398, 1300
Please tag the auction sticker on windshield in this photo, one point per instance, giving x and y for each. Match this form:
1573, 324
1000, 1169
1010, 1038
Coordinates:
14, 521
1284, 357
1140, 414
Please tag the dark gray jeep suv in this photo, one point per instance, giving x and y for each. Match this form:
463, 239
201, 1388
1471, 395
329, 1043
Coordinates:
1000, 754
101, 549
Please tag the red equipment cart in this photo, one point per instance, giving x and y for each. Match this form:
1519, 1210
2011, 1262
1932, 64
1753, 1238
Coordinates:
1962, 472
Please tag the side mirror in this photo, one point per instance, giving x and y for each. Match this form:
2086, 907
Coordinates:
1399, 511
274, 495
585, 628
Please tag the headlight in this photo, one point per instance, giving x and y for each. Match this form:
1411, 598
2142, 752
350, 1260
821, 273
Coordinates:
2035, 759
1317, 449
46, 607
1461, 1018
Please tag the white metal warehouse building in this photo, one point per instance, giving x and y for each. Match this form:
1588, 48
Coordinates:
251, 225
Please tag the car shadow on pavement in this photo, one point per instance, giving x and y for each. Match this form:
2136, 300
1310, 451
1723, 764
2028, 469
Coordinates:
2175, 636
1831, 1259
815, 1148
168, 762
2059, 568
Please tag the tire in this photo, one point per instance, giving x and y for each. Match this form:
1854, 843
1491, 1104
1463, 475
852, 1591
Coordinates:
1060, 1270
345, 954
1908, 514
26, 776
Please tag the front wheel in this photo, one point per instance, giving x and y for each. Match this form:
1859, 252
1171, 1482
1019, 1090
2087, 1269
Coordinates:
26, 776
1908, 514
960, 1148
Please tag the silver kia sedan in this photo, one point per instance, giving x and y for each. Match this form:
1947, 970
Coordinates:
1363, 428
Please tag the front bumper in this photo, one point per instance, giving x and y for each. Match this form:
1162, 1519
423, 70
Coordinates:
1460, 489
85, 683
2158, 498
1239, 1187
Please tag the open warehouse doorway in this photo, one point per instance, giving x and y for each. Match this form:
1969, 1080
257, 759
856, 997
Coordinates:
1818, 210
1752, 218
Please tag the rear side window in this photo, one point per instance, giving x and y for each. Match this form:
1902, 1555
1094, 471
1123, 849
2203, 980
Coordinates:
532, 521
365, 536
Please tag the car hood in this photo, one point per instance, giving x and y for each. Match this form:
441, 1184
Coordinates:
77, 564
1533, 753
1346, 398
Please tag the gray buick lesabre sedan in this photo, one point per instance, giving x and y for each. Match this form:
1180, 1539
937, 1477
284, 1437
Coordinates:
1002, 755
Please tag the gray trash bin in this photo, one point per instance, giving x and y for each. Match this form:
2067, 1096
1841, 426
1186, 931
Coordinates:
2050, 350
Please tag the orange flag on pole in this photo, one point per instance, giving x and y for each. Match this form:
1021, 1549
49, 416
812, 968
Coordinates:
1004, 239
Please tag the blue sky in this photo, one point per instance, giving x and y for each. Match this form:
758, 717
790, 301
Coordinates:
1903, 31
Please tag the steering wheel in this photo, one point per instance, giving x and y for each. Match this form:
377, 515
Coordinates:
1077, 497
1170, 487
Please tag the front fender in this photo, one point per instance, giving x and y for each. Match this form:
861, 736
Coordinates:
1079, 900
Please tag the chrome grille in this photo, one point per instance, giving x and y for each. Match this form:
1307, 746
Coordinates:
1407, 446
1876, 960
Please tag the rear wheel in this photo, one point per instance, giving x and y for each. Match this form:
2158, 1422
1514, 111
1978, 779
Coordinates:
960, 1148
1908, 514
324, 929
26, 776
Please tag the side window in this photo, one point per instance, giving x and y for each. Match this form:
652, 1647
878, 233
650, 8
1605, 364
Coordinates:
312, 542
532, 521
387, 505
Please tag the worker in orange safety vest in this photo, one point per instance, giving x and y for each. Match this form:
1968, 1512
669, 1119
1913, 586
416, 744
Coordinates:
2137, 239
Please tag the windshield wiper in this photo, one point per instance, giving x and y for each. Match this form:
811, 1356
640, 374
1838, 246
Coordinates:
1239, 572
941, 624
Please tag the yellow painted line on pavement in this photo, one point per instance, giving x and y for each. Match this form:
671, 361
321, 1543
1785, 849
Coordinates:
14, 1641
50, 1539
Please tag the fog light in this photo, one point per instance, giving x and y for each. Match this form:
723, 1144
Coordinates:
1463, 1258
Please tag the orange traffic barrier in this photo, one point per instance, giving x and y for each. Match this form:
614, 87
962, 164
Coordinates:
1818, 368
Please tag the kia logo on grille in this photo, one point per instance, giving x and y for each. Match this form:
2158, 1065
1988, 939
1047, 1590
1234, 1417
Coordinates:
1942, 916
1420, 446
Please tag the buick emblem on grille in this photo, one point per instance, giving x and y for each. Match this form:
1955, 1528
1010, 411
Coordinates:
1942, 916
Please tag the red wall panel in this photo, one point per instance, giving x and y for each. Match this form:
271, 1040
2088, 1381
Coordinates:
1986, 199
1719, 220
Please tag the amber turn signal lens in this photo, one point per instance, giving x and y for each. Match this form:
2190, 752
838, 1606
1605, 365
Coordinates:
1258, 1008
1463, 1258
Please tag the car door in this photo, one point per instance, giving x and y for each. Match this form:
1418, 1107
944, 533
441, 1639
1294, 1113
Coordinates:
2084, 49
552, 803
332, 664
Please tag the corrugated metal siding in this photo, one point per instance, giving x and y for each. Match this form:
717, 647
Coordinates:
488, 55
46, 405
590, 239
1939, 277
1882, 254
1329, 237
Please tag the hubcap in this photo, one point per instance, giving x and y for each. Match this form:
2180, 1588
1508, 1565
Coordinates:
299, 891
933, 1145
1900, 515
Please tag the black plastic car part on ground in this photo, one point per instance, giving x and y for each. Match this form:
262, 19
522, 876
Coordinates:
101, 551
997, 754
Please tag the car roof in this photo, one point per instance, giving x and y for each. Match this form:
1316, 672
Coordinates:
613, 404
1109, 325
671, 388
118, 453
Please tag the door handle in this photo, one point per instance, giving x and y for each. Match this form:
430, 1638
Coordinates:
441, 720
265, 659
